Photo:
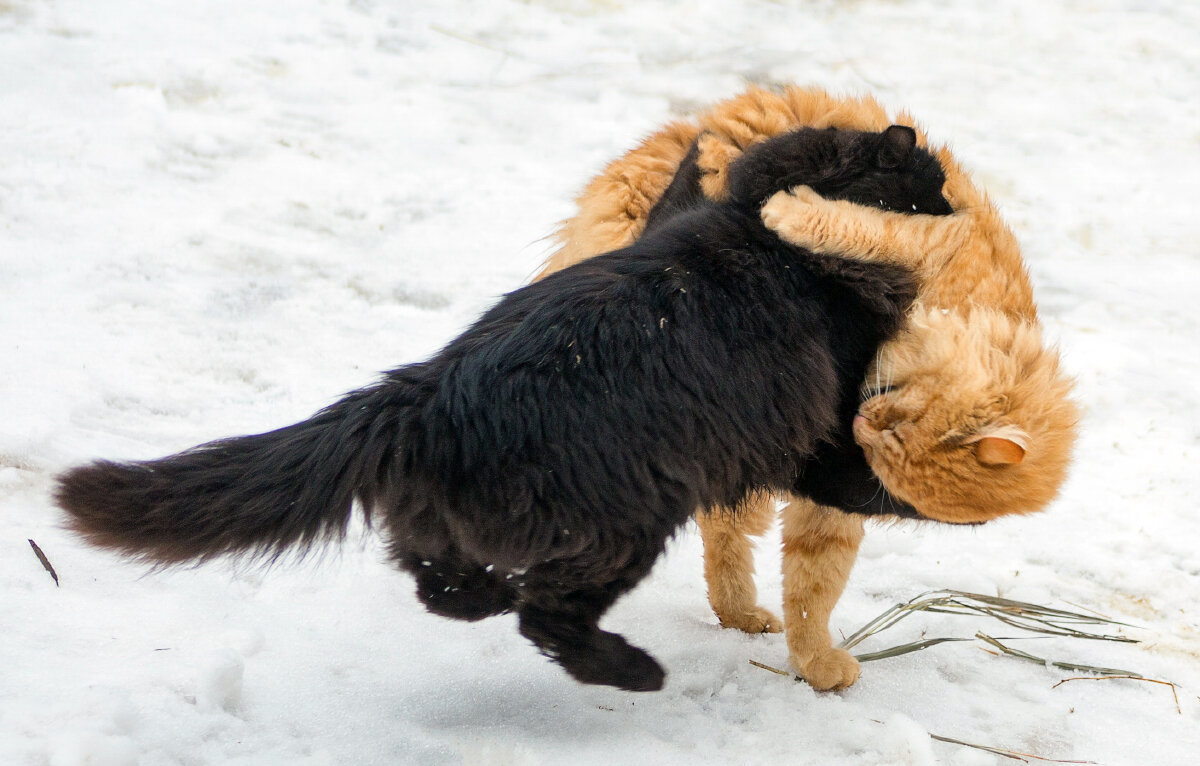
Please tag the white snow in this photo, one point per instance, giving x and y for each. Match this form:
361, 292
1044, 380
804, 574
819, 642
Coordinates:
217, 216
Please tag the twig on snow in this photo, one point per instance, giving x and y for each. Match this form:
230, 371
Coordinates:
1013, 754
1060, 665
768, 667
1174, 689
1002, 751
45, 561
1018, 614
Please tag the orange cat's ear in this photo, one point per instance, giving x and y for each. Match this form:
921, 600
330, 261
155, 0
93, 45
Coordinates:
994, 450
1001, 445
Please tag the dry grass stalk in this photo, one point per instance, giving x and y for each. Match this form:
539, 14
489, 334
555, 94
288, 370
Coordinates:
896, 651
45, 562
1020, 655
768, 667
1018, 614
1013, 754
1035, 618
1174, 688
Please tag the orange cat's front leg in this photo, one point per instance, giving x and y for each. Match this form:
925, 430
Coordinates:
804, 218
729, 564
819, 548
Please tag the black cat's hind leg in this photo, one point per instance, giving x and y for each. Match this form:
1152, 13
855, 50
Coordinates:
564, 625
590, 655
453, 587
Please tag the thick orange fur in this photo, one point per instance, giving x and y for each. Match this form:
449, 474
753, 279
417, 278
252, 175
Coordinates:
819, 548
984, 401
983, 424
980, 263
969, 258
729, 564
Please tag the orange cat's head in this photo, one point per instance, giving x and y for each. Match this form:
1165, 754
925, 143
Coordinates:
967, 416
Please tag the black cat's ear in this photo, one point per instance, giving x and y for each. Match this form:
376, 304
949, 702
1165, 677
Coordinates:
895, 146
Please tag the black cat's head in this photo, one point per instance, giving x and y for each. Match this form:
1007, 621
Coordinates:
886, 170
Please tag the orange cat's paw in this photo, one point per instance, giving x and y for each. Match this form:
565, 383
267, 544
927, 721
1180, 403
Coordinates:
805, 195
788, 214
754, 620
774, 210
828, 669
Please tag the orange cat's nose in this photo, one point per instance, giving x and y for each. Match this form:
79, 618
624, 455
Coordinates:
861, 428
862, 434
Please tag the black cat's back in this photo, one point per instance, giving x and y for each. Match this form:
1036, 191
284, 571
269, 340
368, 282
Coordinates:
707, 336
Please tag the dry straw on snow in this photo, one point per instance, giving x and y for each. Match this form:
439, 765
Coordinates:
1037, 619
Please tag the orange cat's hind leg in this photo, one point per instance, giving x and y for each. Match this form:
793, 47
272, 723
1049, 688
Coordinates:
819, 548
729, 564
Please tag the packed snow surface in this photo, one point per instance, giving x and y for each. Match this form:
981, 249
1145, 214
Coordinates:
217, 216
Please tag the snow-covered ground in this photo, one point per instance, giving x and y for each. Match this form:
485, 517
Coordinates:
217, 216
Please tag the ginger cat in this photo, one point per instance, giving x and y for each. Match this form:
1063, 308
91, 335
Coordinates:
1000, 444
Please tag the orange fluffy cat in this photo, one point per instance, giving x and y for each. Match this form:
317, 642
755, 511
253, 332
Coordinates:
966, 414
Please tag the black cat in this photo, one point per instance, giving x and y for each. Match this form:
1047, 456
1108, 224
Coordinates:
837, 473
541, 460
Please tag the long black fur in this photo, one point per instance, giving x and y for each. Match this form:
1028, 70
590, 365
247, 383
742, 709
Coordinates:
837, 473
541, 460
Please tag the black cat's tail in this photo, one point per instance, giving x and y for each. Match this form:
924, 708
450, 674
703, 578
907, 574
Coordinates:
261, 495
